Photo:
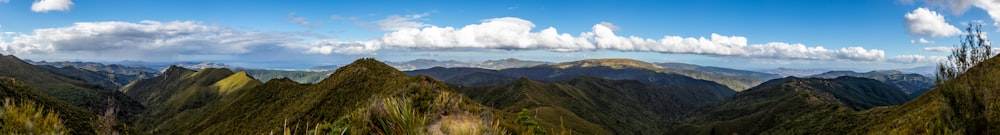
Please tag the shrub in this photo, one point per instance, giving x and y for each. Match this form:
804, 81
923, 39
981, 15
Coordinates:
26, 117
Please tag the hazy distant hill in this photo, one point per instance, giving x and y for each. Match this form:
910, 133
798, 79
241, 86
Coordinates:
778, 104
720, 71
785, 72
927, 71
142, 71
428, 63
911, 84
598, 106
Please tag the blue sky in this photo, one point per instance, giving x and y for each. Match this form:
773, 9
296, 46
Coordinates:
845, 34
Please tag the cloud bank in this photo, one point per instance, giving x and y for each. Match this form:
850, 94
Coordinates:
156, 39
145, 38
515, 34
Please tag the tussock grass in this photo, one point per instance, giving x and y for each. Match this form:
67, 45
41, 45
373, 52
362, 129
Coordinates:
26, 117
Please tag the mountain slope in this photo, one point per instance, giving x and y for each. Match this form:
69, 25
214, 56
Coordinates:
92, 97
78, 120
965, 105
593, 105
786, 104
180, 89
911, 84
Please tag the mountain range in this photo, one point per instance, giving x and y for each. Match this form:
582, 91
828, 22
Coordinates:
596, 96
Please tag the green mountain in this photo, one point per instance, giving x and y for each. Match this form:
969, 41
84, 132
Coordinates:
76, 119
360, 98
81, 93
591, 105
179, 89
911, 84
790, 104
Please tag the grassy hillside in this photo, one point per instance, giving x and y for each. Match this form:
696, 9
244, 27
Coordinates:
591, 105
793, 105
361, 97
179, 89
76, 119
965, 105
92, 97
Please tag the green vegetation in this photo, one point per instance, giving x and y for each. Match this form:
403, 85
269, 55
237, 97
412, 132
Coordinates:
590, 105
25, 101
364, 97
792, 105
179, 90
92, 97
26, 117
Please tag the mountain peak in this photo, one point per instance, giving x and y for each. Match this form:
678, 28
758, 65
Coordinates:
366, 68
176, 70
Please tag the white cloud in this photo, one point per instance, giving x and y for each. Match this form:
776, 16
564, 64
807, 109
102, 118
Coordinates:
51, 5
911, 59
143, 39
991, 7
515, 33
938, 49
4, 1
923, 22
921, 41
396, 22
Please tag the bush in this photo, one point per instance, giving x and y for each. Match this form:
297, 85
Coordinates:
26, 117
